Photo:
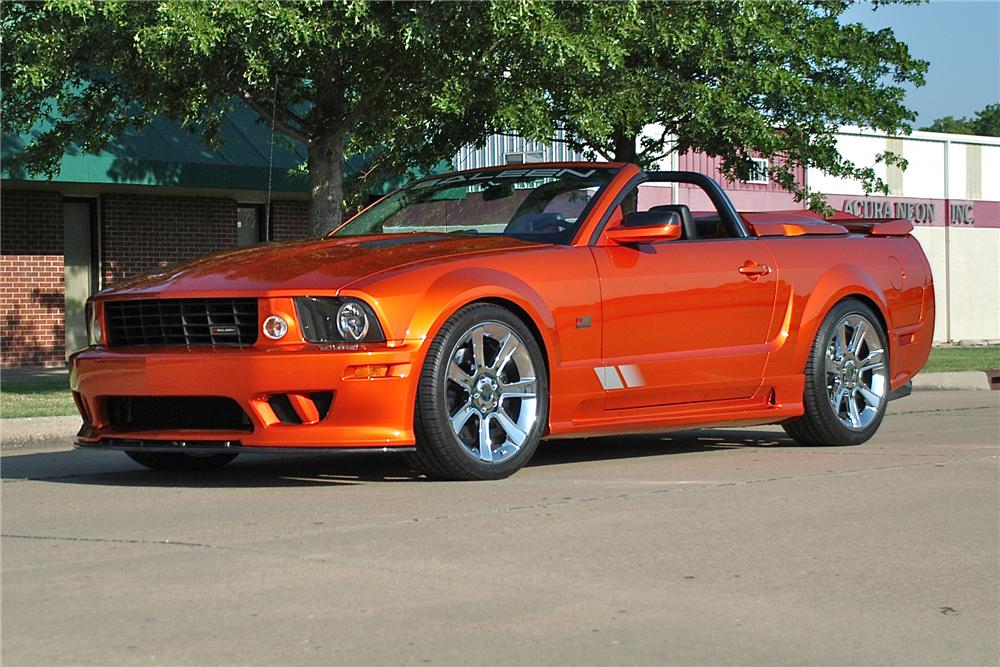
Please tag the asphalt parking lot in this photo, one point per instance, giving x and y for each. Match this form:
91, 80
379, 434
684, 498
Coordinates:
715, 547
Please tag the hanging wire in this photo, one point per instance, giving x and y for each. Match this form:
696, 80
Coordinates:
270, 160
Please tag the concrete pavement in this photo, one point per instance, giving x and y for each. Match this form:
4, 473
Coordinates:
708, 547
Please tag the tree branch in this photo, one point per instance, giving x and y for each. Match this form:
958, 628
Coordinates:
663, 137
280, 122
366, 103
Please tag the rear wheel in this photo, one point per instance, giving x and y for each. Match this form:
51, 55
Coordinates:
180, 460
847, 379
482, 401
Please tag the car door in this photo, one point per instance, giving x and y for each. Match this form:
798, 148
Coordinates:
684, 321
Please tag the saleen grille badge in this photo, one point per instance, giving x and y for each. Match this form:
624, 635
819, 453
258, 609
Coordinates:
220, 330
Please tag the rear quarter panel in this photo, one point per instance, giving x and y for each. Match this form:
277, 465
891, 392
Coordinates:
814, 273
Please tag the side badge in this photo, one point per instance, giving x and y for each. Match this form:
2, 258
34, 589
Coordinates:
583, 322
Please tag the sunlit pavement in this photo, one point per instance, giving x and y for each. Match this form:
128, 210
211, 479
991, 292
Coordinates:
723, 546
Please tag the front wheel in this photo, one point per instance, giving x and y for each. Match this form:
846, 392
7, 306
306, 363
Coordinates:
482, 401
180, 460
847, 379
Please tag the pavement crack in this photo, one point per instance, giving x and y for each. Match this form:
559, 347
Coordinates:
114, 540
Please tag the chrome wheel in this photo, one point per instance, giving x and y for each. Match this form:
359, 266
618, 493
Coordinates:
855, 372
491, 392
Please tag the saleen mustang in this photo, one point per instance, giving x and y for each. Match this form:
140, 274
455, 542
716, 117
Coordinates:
466, 316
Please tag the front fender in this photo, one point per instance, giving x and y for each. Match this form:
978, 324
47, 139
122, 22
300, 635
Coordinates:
455, 289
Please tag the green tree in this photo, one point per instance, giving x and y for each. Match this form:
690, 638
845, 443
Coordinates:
733, 79
951, 125
392, 79
985, 123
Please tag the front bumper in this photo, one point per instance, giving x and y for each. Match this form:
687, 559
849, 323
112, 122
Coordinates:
366, 412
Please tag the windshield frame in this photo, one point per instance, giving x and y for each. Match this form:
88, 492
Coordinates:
441, 182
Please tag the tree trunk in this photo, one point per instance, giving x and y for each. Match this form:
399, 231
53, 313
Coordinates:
625, 151
624, 146
326, 181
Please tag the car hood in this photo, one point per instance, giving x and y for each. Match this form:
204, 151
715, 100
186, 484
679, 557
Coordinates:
316, 264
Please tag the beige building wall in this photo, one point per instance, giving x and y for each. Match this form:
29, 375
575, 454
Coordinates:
964, 258
973, 284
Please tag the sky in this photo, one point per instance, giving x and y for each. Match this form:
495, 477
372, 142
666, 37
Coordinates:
961, 41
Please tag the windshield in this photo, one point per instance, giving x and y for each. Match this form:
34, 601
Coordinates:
544, 204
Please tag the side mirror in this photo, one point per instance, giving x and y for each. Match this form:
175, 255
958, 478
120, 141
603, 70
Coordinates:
646, 227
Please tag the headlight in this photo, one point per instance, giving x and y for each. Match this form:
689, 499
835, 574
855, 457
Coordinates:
333, 320
94, 332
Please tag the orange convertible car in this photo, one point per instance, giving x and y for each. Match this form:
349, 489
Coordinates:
466, 316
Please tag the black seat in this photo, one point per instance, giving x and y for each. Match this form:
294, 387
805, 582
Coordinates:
687, 220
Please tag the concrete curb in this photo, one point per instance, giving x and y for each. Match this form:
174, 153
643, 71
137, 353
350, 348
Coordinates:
976, 380
26, 432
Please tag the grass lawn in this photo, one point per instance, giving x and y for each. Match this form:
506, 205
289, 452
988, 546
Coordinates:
51, 397
36, 398
963, 359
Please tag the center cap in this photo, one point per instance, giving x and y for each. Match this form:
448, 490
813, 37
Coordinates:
485, 393
850, 374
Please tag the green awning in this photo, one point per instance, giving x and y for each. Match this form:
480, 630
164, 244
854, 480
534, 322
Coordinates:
165, 154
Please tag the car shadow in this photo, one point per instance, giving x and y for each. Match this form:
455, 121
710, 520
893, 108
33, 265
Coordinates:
334, 469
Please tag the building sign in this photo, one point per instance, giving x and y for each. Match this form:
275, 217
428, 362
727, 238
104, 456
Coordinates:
961, 214
917, 211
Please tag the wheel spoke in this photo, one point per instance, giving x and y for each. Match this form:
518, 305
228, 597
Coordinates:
514, 433
507, 350
841, 339
485, 445
458, 376
871, 398
873, 362
478, 351
523, 388
852, 411
858, 338
838, 398
831, 364
459, 419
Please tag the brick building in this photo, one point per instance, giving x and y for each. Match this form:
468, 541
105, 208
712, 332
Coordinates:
153, 197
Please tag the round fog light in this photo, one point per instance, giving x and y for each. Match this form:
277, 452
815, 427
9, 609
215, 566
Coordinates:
275, 327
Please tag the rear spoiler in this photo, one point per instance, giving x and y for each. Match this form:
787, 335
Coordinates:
807, 223
876, 226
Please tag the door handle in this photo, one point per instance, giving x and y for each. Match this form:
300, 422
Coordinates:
752, 269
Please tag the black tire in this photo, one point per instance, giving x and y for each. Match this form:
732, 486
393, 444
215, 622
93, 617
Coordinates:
821, 425
180, 460
440, 454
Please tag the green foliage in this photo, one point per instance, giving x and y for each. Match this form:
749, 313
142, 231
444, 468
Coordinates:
338, 76
732, 79
985, 123
409, 83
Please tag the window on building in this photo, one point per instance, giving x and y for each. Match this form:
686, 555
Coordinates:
759, 172
251, 224
524, 157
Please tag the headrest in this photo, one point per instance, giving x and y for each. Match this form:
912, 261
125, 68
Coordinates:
651, 219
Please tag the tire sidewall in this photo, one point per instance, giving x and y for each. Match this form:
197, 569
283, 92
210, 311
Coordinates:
434, 424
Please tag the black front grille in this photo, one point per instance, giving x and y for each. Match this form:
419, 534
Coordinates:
159, 413
181, 322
